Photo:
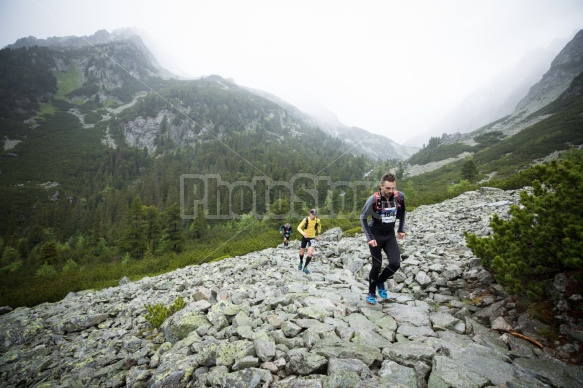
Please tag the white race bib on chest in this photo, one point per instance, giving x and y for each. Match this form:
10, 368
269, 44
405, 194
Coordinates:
389, 215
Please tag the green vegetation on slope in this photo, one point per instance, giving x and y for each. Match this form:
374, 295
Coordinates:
543, 238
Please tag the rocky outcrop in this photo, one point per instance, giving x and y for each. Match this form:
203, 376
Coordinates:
360, 141
418, 169
256, 321
565, 67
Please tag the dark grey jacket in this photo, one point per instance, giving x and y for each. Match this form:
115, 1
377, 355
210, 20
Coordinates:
368, 210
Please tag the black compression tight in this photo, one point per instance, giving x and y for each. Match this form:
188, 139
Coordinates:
388, 244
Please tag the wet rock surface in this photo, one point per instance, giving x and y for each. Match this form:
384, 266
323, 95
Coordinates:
256, 321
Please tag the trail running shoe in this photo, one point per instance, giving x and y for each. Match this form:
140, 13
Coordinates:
382, 291
306, 271
300, 267
371, 299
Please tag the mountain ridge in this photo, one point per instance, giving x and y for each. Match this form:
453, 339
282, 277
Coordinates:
373, 147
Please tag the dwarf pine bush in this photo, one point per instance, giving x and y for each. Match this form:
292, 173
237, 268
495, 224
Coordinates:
544, 236
158, 313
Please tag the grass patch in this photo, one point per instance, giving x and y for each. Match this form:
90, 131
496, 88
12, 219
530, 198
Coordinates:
47, 109
67, 82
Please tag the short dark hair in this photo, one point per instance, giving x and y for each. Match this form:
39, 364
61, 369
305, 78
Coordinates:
388, 177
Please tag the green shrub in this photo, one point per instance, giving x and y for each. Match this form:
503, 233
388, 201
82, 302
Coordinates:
10, 255
70, 266
544, 237
46, 271
158, 313
12, 267
461, 187
353, 231
126, 259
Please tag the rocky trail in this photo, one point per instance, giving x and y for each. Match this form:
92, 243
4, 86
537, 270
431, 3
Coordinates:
256, 321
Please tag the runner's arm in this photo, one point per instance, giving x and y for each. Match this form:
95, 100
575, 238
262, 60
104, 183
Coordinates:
402, 226
366, 212
301, 228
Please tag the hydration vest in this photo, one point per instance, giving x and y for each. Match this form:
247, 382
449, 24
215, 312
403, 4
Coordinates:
315, 226
378, 207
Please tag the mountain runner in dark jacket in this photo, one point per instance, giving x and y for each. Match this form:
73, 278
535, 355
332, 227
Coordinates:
385, 207
286, 230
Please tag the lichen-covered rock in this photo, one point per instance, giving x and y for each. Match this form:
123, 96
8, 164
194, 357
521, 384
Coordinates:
256, 321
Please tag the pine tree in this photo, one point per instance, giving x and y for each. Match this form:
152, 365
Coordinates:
50, 254
200, 225
134, 240
173, 238
410, 191
469, 170
153, 227
544, 237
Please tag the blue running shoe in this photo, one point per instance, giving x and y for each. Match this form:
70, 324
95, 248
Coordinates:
371, 299
306, 271
382, 291
300, 267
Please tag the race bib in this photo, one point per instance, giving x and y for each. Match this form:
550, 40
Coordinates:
313, 243
389, 215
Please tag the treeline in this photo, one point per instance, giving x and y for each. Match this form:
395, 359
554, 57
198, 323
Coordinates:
25, 80
121, 209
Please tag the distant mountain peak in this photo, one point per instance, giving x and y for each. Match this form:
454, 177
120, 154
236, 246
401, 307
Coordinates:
100, 37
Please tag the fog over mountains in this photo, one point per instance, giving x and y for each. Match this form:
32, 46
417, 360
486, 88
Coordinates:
497, 99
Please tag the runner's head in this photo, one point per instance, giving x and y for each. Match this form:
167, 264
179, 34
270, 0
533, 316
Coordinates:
313, 213
388, 185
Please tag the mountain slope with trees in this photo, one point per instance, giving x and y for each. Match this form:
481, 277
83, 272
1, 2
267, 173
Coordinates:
97, 143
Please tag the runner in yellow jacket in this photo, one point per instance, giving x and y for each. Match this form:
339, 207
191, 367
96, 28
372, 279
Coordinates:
310, 229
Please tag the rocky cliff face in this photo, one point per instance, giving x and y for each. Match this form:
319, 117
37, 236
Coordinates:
564, 68
361, 142
256, 321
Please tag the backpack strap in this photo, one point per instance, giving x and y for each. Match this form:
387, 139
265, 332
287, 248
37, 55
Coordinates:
377, 195
315, 226
399, 199
377, 204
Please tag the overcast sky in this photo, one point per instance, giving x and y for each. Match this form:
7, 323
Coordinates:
390, 67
